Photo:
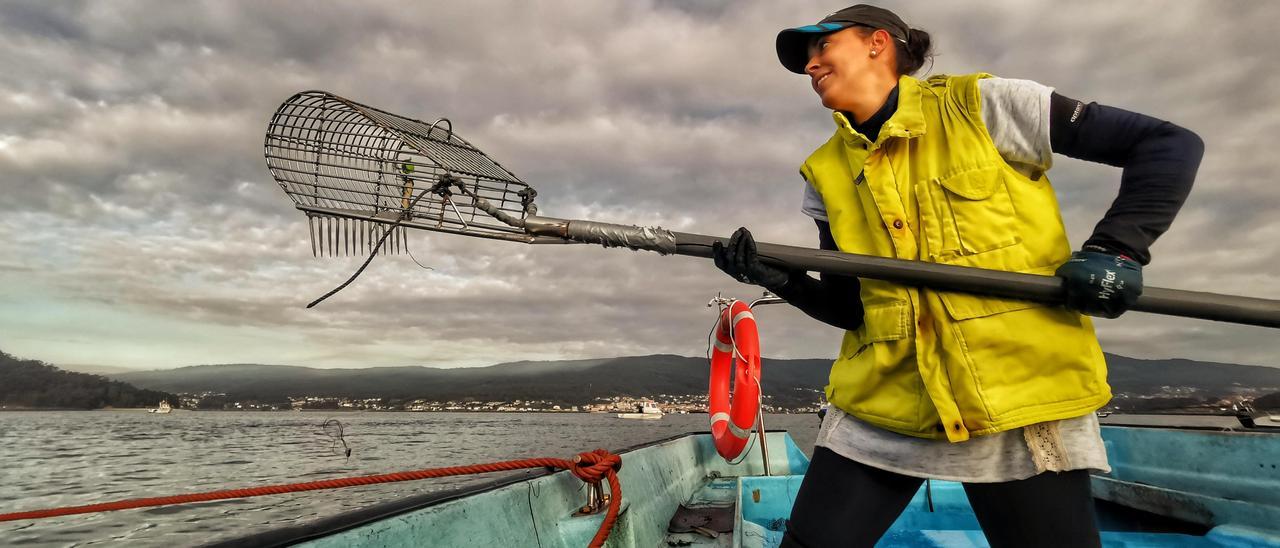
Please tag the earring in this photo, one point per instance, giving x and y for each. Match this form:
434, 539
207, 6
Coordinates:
874, 52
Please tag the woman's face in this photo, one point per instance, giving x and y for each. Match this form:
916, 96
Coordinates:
837, 62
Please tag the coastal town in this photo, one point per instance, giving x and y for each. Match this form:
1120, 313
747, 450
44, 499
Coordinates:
1167, 399
668, 403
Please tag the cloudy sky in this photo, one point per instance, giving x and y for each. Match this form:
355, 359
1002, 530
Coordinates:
139, 226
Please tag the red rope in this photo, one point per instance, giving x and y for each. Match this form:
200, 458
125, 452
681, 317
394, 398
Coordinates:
590, 467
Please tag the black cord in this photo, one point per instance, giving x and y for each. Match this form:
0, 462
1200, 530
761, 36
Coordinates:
415, 259
374, 253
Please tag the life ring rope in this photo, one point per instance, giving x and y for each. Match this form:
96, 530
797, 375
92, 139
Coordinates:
733, 326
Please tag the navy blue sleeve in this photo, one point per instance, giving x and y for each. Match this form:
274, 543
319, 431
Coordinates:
1159, 162
834, 300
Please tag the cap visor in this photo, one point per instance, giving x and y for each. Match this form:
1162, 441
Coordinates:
793, 44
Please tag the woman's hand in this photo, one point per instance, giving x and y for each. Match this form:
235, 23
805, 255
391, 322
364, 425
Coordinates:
1101, 283
739, 260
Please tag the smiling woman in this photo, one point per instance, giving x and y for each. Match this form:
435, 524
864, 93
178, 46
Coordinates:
994, 392
856, 60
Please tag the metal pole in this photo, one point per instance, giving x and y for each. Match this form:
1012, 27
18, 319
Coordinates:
1016, 285
1032, 287
767, 298
764, 446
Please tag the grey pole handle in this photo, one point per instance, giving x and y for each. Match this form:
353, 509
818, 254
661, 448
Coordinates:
1016, 285
1032, 287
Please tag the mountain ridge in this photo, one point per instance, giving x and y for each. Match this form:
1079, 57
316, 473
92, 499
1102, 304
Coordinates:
788, 382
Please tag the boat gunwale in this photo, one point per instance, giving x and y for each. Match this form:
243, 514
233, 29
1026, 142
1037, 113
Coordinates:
351, 519
1140, 420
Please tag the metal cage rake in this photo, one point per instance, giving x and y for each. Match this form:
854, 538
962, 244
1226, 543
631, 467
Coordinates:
359, 172
363, 175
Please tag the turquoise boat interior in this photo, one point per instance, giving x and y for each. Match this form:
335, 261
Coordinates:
1191, 487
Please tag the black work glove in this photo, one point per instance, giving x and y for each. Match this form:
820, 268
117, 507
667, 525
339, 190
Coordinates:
1101, 283
739, 260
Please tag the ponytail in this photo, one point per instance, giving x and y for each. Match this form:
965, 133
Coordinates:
913, 54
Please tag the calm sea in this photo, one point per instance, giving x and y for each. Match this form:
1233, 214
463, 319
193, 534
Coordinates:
70, 458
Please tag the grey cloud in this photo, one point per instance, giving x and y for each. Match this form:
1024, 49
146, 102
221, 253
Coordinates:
130, 162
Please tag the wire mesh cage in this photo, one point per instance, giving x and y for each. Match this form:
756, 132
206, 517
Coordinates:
357, 171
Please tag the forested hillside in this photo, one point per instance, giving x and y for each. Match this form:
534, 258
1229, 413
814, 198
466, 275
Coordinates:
35, 384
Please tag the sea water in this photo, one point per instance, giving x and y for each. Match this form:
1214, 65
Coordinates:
59, 458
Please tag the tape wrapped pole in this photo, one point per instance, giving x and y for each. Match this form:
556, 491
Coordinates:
636, 238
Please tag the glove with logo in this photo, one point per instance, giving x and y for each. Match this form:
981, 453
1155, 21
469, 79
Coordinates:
1101, 283
739, 260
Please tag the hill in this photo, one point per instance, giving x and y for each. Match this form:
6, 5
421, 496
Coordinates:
573, 382
35, 384
789, 382
1137, 376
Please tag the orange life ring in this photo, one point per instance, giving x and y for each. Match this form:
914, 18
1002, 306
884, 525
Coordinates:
732, 421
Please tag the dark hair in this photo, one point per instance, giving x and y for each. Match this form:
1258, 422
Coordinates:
912, 55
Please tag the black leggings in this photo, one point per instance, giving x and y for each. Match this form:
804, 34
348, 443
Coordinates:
846, 503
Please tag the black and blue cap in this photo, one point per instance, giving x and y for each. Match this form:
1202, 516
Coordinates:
793, 44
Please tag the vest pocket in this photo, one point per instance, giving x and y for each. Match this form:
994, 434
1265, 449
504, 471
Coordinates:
977, 213
880, 323
966, 306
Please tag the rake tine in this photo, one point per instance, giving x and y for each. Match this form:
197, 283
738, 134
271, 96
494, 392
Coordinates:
311, 234
346, 234
333, 236
319, 236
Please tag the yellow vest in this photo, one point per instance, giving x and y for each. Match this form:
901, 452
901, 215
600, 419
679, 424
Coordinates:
934, 188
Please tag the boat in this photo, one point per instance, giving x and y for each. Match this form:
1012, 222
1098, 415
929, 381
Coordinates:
163, 409
1210, 484
644, 411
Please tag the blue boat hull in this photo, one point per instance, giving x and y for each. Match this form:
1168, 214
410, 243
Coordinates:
1168, 487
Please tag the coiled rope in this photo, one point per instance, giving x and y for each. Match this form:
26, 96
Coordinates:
591, 467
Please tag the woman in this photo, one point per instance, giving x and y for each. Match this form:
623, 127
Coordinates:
996, 393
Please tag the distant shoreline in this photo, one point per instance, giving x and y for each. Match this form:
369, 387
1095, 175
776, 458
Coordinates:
331, 411
26, 409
